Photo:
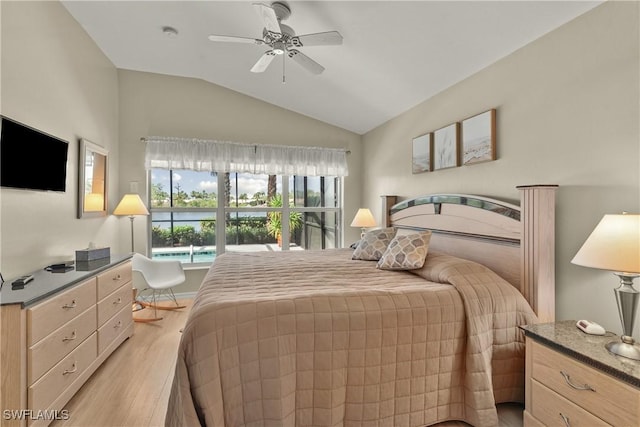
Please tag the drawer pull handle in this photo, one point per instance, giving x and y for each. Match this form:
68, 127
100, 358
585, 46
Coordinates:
72, 305
118, 301
565, 419
117, 277
70, 371
117, 325
71, 338
567, 378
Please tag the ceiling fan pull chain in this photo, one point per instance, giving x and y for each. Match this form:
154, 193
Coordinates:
283, 61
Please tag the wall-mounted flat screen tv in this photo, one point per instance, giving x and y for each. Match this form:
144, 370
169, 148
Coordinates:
31, 159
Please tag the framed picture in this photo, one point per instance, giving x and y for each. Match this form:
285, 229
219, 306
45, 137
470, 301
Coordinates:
421, 158
445, 147
479, 138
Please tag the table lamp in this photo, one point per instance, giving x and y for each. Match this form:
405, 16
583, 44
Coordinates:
131, 205
614, 245
364, 218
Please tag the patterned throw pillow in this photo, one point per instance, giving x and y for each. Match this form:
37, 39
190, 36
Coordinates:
373, 244
406, 252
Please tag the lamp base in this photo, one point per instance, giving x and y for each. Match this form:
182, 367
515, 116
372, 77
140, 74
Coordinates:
627, 298
624, 349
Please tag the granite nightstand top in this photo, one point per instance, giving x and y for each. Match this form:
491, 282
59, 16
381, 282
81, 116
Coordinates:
566, 338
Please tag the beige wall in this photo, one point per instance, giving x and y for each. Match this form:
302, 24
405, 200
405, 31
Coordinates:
54, 78
568, 114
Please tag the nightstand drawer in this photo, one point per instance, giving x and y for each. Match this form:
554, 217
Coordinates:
602, 395
551, 409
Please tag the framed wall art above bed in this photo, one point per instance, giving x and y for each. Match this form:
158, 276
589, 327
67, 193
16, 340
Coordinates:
470, 141
446, 147
479, 138
421, 153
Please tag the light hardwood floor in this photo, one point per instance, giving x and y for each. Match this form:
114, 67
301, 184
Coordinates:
131, 388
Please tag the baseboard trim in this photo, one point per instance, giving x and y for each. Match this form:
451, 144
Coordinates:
179, 296
186, 295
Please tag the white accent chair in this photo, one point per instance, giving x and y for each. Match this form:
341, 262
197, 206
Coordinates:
156, 278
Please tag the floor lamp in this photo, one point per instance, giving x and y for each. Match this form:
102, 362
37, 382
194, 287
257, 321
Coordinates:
131, 205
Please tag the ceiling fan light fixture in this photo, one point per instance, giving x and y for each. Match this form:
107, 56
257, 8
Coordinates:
279, 48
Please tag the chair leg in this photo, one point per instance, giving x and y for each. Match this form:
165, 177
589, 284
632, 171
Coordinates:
144, 304
156, 306
175, 301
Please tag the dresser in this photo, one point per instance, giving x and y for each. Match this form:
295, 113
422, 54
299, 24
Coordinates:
56, 332
572, 380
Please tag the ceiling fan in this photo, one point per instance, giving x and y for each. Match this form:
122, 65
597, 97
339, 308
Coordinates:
282, 39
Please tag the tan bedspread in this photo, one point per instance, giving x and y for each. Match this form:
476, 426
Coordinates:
313, 338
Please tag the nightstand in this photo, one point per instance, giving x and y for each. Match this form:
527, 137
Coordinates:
572, 380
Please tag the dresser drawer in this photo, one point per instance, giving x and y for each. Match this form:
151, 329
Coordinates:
602, 395
48, 316
114, 327
114, 303
44, 391
113, 278
551, 409
50, 350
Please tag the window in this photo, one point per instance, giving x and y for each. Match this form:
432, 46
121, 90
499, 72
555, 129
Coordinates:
321, 218
183, 215
186, 205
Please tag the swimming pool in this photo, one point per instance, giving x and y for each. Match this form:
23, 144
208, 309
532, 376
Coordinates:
185, 254
207, 254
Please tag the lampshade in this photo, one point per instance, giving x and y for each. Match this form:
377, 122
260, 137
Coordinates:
613, 245
131, 204
93, 202
364, 218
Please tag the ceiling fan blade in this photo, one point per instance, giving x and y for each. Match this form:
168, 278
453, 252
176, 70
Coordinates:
305, 62
268, 16
234, 39
263, 62
318, 39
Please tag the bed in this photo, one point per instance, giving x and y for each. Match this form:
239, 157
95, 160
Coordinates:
316, 338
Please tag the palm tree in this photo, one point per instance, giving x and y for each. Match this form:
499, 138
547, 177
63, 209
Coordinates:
271, 187
274, 219
259, 197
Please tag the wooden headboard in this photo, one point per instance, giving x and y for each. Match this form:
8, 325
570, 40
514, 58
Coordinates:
517, 242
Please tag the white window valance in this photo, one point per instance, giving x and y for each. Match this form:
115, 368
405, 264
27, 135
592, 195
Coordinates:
227, 156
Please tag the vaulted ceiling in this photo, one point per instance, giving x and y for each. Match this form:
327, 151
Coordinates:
394, 55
